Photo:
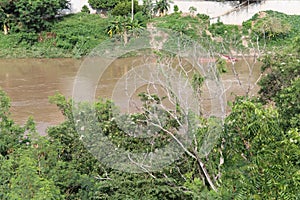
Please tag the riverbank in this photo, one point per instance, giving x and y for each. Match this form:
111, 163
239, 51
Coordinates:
75, 35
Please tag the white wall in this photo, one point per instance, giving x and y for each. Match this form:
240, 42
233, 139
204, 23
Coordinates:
218, 9
290, 7
210, 8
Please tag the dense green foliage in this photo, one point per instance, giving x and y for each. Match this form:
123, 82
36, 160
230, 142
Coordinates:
60, 167
73, 36
161, 7
85, 9
29, 16
262, 158
281, 84
124, 8
103, 4
274, 29
77, 34
188, 25
283, 68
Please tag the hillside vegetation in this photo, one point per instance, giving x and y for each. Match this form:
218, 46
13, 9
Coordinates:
76, 35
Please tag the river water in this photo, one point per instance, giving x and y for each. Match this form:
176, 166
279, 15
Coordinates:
29, 83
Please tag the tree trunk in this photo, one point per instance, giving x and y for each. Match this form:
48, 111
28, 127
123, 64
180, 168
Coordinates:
206, 174
5, 29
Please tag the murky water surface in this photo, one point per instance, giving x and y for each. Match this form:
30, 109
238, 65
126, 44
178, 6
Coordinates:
29, 83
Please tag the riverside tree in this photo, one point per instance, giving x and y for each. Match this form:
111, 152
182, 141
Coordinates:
29, 16
103, 5
161, 7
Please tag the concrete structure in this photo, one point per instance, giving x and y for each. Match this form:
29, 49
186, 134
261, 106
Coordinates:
76, 6
290, 7
225, 11
229, 14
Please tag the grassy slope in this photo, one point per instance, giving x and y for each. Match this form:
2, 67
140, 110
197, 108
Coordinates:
78, 34
282, 42
223, 37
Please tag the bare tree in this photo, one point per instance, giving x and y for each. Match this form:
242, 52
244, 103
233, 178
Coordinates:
171, 109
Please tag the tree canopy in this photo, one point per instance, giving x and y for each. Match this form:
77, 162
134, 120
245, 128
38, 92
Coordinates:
103, 4
124, 8
30, 16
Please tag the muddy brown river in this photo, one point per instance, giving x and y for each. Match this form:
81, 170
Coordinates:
29, 83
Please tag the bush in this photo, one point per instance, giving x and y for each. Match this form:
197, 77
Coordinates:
124, 8
191, 26
141, 18
247, 25
271, 27
85, 9
176, 9
220, 29
203, 17
80, 33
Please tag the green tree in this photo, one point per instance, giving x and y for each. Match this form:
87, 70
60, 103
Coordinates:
270, 27
124, 8
176, 8
30, 16
261, 158
147, 8
103, 5
85, 9
88, 178
161, 7
283, 68
20, 163
141, 19
122, 27
27, 182
7, 20
288, 103
12, 135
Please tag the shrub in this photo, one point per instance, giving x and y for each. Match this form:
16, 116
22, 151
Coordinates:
176, 9
124, 8
85, 9
271, 27
141, 18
